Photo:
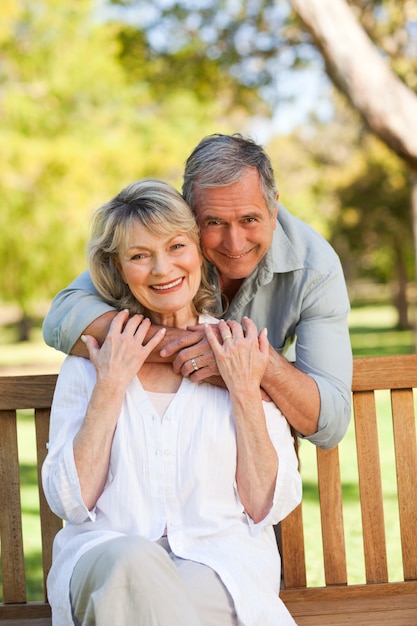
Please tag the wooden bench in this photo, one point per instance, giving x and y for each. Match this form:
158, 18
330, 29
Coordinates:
377, 601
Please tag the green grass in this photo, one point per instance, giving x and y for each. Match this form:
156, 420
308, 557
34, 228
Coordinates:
373, 332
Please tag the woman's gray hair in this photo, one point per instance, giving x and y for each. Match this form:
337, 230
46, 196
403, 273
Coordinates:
220, 160
162, 211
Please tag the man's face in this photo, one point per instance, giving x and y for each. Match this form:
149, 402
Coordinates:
236, 225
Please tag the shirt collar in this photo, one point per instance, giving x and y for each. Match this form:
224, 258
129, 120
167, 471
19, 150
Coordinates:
283, 255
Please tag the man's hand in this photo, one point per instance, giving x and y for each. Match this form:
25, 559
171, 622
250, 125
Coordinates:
194, 357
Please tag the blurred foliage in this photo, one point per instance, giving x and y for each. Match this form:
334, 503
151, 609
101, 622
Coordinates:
256, 42
75, 128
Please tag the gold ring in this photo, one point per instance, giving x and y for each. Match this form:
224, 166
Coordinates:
227, 337
194, 364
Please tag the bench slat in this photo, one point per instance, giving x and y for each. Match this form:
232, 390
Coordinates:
330, 492
27, 392
292, 549
404, 426
387, 372
13, 566
50, 523
370, 487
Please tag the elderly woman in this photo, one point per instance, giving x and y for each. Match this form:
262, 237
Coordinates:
169, 488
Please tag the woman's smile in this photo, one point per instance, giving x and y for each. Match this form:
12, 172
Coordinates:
166, 286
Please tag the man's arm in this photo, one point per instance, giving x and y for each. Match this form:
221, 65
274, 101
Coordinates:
72, 311
294, 392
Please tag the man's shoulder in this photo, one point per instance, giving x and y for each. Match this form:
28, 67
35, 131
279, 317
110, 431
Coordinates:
300, 243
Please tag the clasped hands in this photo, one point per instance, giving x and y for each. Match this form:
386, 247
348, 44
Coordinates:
220, 353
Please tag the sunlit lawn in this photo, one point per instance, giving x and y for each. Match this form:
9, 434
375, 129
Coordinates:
372, 333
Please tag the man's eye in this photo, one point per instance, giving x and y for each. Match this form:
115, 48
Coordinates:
213, 223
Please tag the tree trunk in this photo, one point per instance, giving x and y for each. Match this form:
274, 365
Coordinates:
414, 220
400, 297
354, 64
24, 327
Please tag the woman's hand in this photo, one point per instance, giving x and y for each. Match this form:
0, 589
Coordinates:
241, 354
123, 353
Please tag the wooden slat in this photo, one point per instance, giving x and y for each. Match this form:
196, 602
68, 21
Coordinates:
404, 426
385, 372
13, 567
50, 523
370, 487
331, 509
360, 605
292, 549
30, 613
27, 392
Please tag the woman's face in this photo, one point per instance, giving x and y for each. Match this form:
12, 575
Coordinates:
163, 273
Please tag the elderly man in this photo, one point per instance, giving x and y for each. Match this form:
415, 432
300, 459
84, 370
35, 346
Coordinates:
268, 266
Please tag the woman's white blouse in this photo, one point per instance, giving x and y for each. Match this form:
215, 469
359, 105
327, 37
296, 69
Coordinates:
176, 473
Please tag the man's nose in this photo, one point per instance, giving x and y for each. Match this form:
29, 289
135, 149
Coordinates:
234, 240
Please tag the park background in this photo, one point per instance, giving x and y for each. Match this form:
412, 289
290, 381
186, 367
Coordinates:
95, 95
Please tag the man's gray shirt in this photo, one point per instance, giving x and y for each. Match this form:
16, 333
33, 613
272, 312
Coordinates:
297, 292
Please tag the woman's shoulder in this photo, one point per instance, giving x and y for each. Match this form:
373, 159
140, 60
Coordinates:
77, 366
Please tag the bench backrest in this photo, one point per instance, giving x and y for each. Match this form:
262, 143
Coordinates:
398, 374
22, 392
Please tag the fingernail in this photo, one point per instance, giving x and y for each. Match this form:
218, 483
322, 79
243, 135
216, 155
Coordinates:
83, 338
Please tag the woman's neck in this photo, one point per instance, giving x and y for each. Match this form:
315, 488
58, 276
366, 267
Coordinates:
178, 319
159, 377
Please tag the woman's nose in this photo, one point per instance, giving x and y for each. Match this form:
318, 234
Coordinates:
160, 265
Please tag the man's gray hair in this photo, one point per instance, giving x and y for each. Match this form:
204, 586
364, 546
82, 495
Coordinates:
220, 160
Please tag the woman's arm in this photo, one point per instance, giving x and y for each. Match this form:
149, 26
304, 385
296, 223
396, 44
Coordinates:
242, 358
116, 362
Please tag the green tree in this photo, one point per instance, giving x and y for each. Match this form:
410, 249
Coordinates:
373, 231
74, 128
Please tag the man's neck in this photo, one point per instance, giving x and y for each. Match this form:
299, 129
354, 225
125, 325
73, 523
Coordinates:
229, 287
